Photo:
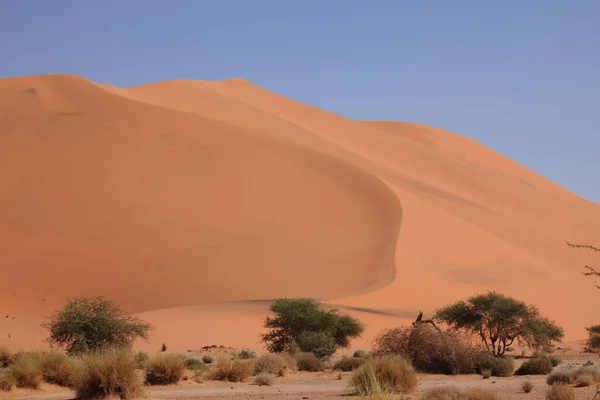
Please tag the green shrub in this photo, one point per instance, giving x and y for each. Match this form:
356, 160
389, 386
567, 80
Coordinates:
359, 354
271, 363
246, 354
561, 376
105, 373
555, 360
527, 386
321, 344
27, 370
264, 379
165, 369
347, 364
535, 366
500, 366
593, 342
141, 359
232, 370
560, 392
486, 373
207, 359
384, 374
6, 357
56, 368
7, 381
193, 363
309, 362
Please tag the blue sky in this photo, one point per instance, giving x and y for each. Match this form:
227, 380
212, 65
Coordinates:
520, 76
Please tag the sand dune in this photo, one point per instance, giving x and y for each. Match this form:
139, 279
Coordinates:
186, 200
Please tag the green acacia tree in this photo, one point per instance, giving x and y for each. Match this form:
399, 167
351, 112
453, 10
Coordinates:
499, 321
302, 323
88, 324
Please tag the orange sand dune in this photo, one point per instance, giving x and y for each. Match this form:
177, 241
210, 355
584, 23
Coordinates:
185, 201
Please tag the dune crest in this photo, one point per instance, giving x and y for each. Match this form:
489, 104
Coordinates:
181, 199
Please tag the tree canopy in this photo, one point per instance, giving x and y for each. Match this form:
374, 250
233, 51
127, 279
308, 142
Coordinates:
499, 321
87, 324
303, 323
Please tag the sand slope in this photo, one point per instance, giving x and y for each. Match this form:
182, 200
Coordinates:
183, 200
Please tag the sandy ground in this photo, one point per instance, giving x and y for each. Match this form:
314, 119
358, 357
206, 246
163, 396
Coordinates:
193, 203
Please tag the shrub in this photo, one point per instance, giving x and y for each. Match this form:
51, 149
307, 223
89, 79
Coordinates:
429, 350
555, 360
141, 359
535, 366
443, 393
486, 373
500, 366
347, 364
105, 373
384, 374
264, 379
87, 324
303, 322
480, 394
527, 386
560, 392
584, 380
27, 370
6, 357
309, 362
593, 342
199, 376
271, 363
594, 373
56, 368
7, 381
207, 359
232, 370
246, 354
165, 369
359, 354
560, 377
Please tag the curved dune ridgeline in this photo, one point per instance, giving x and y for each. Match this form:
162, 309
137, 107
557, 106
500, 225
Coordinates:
186, 200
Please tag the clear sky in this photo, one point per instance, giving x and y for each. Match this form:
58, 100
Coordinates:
520, 76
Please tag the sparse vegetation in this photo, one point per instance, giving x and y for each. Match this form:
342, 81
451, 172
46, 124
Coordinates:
347, 364
311, 328
535, 366
453, 393
264, 379
7, 381
165, 369
107, 372
527, 386
499, 321
27, 370
560, 392
207, 359
429, 349
88, 324
593, 342
246, 354
308, 362
486, 373
141, 359
232, 370
384, 374
500, 366
359, 354
561, 376
6, 357
271, 363
585, 380
56, 367
555, 360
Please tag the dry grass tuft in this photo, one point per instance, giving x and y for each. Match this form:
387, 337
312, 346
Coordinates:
560, 391
453, 393
165, 369
264, 379
309, 362
27, 370
527, 386
7, 381
232, 370
271, 363
384, 374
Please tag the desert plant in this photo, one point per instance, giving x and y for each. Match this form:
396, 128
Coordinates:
194, 364
347, 364
6, 357
199, 375
584, 380
453, 393
87, 324
535, 366
486, 373
527, 386
271, 363
593, 341
500, 366
560, 392
246, 354
163, 347
561, 376
56, 367
107, 372
303, 322
384, 374
588, 363
232, 370
555, 360
499, 320
429, 349
7, 381
309, 362
207, 359
27, 370
141, 359
359, 353
594, 373
264, 379
480, 394
165, 369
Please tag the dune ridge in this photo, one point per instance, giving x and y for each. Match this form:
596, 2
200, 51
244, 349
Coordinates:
189, 201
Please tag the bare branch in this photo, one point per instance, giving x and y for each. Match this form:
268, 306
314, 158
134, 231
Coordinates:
584, 246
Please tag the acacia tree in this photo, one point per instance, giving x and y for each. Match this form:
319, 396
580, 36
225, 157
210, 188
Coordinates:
87, 324
303, 323
591, 271
499, 321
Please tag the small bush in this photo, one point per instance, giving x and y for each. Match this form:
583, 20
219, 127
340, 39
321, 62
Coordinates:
232, 370
7, 381
207, 359
486, 373
309, 362
264, 379
56, 367
527, 386
560, 377
271, 363
321, 344
560, 392
588, 363
535, 366
359, 354
246, 354
108, 372
165, 370
194, 363
555, 360
594, 373
443, 393
27, 370
347, 364
6, 357
500, 366
384, 374
141, 359
585, 380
